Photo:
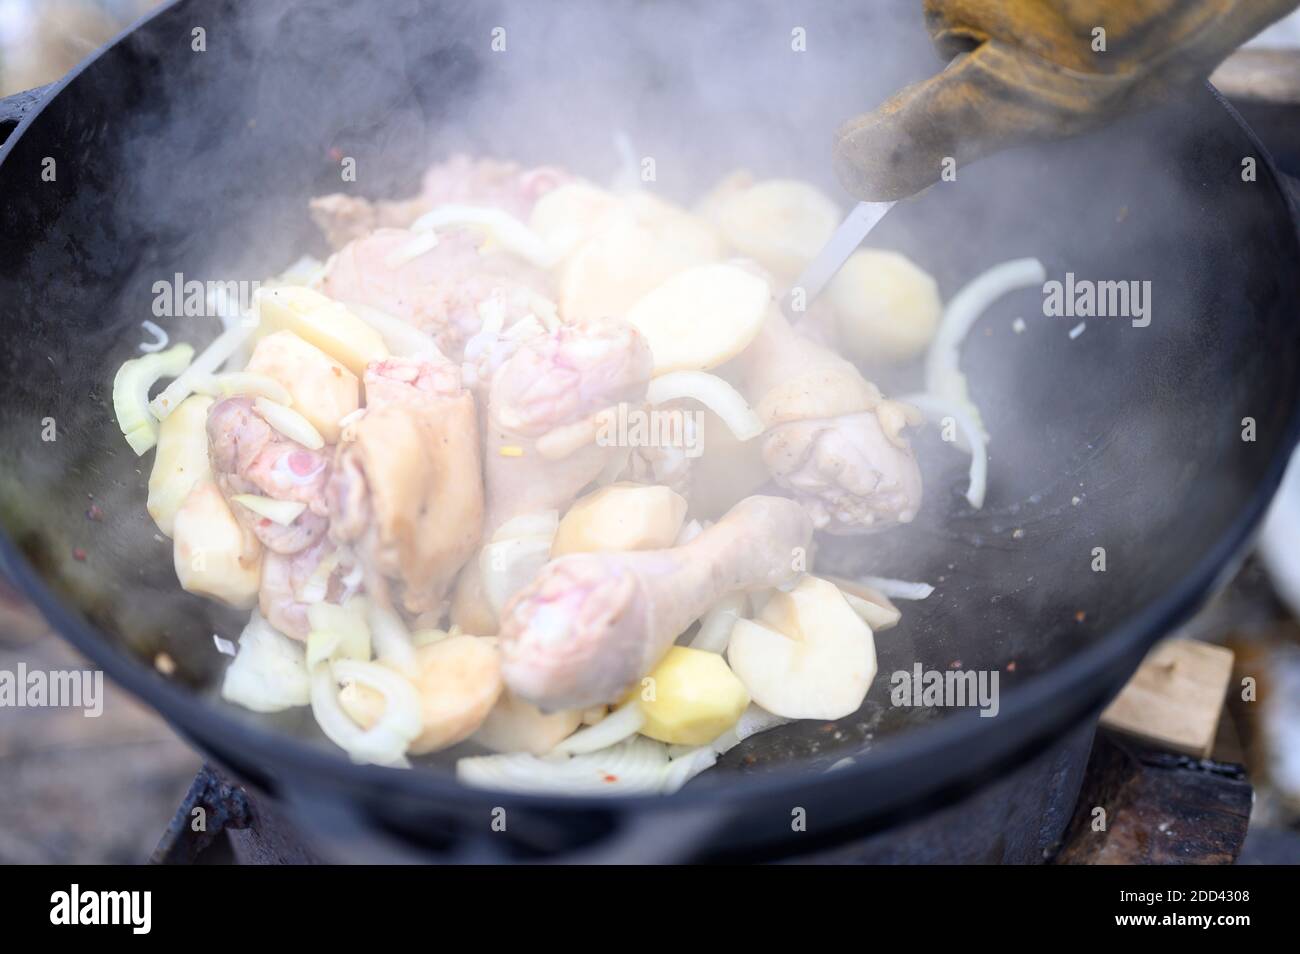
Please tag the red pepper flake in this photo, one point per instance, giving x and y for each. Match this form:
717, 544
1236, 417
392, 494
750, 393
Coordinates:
1080, 616
95, 513
264, 522
335, 153
611, 778
79, 555
955, 664
1011, 666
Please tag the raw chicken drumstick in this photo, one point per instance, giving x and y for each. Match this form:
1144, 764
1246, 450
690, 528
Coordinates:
591, 624
406, 492
460, 180
831, 438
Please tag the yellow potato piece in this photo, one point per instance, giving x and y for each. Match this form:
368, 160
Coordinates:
209, 552
322, 322
701, 317
886, 307
621, 516
807, 656
322, 389
181, 460
694, 698
615, 267
780, 223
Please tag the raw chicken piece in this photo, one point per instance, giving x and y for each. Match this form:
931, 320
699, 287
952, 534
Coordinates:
459, 180
284, 582
542, 423
250, 457
406, 491
591, 624
543, 412
439, 290
831, 439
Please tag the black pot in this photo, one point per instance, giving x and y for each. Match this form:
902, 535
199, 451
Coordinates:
1128, 438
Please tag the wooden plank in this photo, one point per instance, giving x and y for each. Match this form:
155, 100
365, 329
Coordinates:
1176, 697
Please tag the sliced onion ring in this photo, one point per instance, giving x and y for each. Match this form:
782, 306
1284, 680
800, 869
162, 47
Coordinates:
714, 393
936, 407
283, 512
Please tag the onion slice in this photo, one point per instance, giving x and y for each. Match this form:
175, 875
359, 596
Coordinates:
937, 407
392, 641
289, 423
131, 387
506, 230
386, 741
236, 383
943, 374
209, 360
716, 625
283, 512
402, 339
639, 765
623, 723
269, 671
897, 589
714, 393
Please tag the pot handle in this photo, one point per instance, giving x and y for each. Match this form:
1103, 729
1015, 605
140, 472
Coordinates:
345, 834
14, 109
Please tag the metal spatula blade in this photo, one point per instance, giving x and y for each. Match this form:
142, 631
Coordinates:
851, 233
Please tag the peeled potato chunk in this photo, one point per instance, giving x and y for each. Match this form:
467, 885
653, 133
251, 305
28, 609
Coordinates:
571, 213
209, 551
515, 725
322, 389
807, 656
621, 516
181, 460
780, 223
675, 226
322, 322
691, 698
702, 317
615, 267
459, 681
886, 307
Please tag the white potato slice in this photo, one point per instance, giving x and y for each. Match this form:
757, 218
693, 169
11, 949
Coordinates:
181, 460
209, 552
459, 681
780, 223
702, 317
322, 389
807, 656
615, 267
571, 213
322, 322
620, 517
515, 725
675, 226
886, 307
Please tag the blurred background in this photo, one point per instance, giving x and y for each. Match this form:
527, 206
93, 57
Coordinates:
74, 789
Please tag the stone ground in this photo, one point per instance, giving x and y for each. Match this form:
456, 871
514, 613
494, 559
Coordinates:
77, 789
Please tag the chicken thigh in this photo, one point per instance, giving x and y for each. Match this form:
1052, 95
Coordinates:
406, 492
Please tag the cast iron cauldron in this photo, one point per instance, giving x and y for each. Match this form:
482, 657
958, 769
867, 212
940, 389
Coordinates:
171, 160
